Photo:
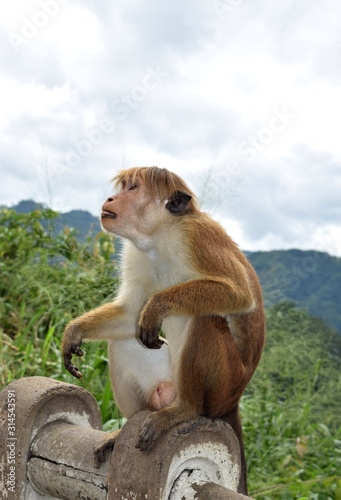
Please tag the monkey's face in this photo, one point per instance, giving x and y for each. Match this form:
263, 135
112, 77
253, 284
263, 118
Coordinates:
133, 213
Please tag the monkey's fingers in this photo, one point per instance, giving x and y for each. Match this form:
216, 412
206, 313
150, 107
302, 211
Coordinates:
148, 434
159, 343
73, 370
71, 367
151, 339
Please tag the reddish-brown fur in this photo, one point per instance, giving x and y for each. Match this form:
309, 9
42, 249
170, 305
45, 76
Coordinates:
220, 386
184, 273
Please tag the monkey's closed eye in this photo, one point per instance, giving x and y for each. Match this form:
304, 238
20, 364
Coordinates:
134, 186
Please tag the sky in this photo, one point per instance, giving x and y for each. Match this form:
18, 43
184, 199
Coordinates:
241, 98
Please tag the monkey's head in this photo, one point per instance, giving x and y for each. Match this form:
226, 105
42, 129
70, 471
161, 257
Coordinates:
147, 199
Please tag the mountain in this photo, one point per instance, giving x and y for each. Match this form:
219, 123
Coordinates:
310, 279
82, 221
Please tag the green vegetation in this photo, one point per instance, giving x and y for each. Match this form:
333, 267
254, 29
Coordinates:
311, 279
291, 410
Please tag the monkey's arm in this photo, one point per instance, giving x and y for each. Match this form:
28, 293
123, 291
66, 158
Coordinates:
198, 297
116, 320
105, 322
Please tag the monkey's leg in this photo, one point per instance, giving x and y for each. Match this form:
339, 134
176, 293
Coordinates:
210, 379
156, 423
104, 445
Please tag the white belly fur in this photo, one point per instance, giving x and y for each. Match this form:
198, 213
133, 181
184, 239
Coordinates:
136, 369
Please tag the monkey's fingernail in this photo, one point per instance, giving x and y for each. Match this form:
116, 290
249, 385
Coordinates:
79, 352
157, 344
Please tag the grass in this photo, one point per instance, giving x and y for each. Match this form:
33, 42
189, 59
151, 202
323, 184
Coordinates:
291, 411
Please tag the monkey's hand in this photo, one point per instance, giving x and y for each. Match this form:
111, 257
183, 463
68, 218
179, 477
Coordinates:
71, 344
150, 325
150, 338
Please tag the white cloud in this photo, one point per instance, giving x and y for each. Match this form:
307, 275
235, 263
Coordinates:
29, 100
78, 84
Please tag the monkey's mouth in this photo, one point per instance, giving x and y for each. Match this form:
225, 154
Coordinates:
106, 214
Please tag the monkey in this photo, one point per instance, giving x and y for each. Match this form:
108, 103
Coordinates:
184, 276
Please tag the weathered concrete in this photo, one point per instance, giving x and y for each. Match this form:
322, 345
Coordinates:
62, 463
38, 401
212, 491
197, 451
48, 433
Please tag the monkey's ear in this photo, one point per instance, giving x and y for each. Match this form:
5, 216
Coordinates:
177, 203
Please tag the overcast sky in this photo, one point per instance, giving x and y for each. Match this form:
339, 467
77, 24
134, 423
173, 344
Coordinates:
241, 98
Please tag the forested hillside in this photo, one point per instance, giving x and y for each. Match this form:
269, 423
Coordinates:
80, 220
311, 279
290, 411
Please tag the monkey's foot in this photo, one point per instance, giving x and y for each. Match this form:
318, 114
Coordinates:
104, 445
148, 433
